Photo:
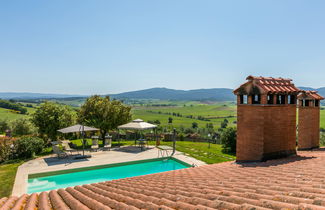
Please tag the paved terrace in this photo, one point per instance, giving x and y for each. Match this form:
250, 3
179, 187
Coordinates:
118, 155
291, 183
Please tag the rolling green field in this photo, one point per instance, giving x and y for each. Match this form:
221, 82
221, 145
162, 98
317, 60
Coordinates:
10, 114
151, 110
213, 113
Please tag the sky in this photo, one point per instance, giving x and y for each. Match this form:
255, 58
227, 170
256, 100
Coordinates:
106, 46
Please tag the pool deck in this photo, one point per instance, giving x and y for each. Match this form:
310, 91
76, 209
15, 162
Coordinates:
116, 155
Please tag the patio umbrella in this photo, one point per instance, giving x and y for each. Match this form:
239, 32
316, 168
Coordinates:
79, 128
138, 124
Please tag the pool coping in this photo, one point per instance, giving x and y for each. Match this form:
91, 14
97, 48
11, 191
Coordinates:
73, 170
21, 179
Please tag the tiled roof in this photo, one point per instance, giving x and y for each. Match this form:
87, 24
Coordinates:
291, 183
310, 95
270, 85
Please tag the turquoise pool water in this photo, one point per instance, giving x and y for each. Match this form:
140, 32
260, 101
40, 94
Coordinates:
99, 175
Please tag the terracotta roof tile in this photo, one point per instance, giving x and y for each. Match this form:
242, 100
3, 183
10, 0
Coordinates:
270, 85
291, 183
310, 95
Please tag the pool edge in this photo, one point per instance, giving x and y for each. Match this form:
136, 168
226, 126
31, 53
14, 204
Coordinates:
52, 173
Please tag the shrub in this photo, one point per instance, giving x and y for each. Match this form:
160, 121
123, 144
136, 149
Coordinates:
224, 123
5, 149
28, 146
194, 125
22, 127
189, 131
4, 125
181, 137
156, 122
228, 140
322, 139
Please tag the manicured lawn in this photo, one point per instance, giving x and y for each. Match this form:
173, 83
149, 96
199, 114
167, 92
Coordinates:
7, 177
198, 150
8, 173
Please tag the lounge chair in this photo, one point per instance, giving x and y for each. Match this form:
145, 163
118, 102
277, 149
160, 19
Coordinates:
59, 152
94, 145
67, 147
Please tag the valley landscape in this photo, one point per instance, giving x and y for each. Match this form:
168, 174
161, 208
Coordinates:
155, 105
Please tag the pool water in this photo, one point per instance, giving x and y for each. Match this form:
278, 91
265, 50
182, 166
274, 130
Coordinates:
99, 175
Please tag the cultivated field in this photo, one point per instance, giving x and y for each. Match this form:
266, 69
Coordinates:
184, 113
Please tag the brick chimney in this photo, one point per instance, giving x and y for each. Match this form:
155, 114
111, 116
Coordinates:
309, 120
266, 124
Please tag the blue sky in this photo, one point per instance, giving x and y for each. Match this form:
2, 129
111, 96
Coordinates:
103, 46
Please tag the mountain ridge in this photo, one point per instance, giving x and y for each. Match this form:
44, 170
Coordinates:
160, 93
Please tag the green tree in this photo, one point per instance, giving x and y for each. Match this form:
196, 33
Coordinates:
194, 125
228, 140
170, 120
22, 127
104, 114
50, 117
224, 123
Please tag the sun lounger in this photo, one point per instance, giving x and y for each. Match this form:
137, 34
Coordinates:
59, 152
67, 147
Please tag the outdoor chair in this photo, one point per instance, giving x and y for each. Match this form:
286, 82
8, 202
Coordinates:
142, 143
67, 148
94, 145
107, 144
59, 152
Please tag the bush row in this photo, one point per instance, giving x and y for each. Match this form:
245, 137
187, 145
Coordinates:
13, 106
18, 127
23, 147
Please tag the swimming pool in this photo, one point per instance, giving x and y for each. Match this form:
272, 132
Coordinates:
39, 183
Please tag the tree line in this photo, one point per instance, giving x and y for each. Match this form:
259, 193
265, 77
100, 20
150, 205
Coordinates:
13, 106
99, 112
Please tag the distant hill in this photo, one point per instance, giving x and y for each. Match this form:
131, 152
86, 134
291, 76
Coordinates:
15, 95
215, 94
321, 91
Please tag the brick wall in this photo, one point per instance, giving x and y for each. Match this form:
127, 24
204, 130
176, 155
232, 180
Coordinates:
249, 133
265, 132
308, 127
279, 131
